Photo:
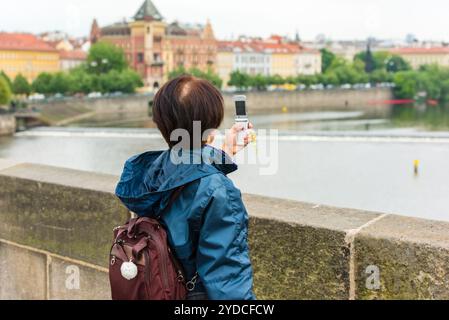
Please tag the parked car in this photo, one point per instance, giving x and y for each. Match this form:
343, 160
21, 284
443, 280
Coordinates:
58, 96
36, 96
93, 95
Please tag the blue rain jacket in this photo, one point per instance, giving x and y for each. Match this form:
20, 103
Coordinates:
207, 224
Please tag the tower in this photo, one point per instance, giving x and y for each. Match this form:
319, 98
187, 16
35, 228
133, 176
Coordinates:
95, 32
208, 32
147, 36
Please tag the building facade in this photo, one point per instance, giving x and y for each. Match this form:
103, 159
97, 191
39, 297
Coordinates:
71, 59
308, 62
190, 46
267, 57
423, 56
154, 48
26, 54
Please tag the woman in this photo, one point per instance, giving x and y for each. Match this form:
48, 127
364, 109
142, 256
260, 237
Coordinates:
207, 223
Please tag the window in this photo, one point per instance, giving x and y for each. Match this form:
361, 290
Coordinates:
140, 57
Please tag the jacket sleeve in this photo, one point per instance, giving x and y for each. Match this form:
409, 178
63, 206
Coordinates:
223, 259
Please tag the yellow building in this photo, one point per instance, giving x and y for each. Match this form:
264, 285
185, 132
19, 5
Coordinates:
422, 56
283, 63
26, 54
225, 63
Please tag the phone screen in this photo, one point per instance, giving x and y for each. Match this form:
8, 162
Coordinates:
240, 108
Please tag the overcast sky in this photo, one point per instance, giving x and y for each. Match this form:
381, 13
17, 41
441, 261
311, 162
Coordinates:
337, 19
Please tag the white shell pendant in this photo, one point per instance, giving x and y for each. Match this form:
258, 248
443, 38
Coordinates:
128, 270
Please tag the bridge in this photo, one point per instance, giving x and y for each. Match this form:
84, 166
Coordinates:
56, 231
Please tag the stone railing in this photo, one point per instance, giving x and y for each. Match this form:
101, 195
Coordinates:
7, 124
56, 224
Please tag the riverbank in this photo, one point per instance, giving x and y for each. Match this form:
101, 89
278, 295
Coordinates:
365, 100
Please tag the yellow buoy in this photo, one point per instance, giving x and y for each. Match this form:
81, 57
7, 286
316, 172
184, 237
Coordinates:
416, 167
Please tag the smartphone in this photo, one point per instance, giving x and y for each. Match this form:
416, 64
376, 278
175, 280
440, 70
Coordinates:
241, 117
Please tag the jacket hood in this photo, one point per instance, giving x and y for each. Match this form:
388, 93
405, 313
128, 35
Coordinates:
149, 179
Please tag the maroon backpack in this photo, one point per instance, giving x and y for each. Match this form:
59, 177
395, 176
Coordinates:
142, 265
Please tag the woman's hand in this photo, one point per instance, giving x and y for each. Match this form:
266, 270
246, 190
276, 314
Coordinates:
230, 142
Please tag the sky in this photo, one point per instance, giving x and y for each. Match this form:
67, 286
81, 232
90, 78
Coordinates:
337, 19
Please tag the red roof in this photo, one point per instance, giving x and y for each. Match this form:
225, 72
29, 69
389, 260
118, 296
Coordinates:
72, 55
23, 41
262, 46
432, 50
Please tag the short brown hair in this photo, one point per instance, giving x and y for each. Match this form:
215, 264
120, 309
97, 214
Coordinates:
186, 99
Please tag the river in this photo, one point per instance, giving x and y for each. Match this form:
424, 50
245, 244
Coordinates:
334, 158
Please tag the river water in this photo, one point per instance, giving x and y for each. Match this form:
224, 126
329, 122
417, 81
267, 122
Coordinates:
334, 158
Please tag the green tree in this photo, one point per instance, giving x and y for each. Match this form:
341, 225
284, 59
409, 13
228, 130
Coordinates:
396, 63
239, 79
406, 84
104, 57
307, 80
42, 84
370, 64
177, 72
60, 83
81, 81
276, 80
7, 79
21, 85
327, 58
379, 76
259, 82
129, 80
209, 75
5, 92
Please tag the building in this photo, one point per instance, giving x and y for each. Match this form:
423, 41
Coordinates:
26, 54
154, 48
273, 56
418, 56
190, 46
308, 61
71, 59
245, 56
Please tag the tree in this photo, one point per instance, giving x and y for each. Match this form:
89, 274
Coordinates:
396, 63
368, 59
379, 76
276, 80
259, 82
209, 75
114, 81
60, 83
42, 84
7, 79
406, 84
327, 58
21, 85
239, 80
81, 81
104, 57
177, 72
5, 92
